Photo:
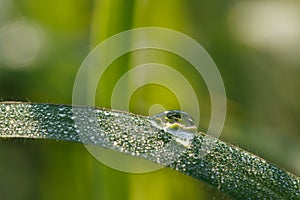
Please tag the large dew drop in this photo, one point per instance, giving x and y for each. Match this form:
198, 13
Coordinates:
178, 123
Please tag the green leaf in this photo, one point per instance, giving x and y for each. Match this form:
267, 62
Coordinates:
232, 170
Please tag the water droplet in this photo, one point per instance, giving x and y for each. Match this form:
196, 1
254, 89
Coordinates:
178, 123
62, 114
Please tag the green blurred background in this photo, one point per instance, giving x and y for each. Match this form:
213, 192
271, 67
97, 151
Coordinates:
255, 45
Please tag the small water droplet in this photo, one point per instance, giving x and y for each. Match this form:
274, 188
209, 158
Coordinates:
178, 123
62, 114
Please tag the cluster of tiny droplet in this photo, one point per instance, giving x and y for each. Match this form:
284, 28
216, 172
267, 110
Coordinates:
234, 171
132, 134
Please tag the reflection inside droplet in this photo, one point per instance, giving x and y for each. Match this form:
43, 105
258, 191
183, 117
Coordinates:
178, 123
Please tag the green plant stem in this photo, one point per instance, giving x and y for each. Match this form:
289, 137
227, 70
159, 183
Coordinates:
234, 171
